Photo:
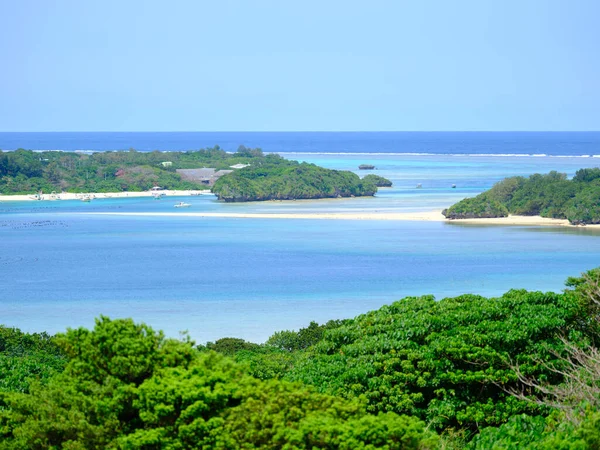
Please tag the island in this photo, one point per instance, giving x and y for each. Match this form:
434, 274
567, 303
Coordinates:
276, 178
549, 195
378, 180
246, 175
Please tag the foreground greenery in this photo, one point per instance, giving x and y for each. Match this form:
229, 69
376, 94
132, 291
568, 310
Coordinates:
24, 357
417, 374
551, 195
126, 386
266, 177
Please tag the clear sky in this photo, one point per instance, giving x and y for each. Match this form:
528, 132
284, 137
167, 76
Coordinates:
299, 65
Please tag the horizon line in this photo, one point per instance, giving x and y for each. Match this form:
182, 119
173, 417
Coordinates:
309, 131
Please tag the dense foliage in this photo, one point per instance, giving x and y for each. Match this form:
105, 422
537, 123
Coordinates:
447, 362
478, 207
385, 379
266, 177
25, 171
539, 433
452, 362
126, 386
26, 357
550, 195
379, 181
275, 178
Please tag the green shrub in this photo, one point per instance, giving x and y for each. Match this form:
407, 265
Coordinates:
478, 207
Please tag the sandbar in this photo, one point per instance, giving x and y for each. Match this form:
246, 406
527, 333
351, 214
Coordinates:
423, 216
426, 216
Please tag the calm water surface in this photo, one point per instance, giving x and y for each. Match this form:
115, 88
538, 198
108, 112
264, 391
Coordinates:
218, 277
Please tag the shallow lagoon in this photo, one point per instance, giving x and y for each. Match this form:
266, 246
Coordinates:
219, 277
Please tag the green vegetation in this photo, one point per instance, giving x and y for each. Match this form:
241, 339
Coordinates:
446, 362
25, 357
28, 172
482, 206
275, 178
538, 433
126, 386
550, 195
378, 181
517, 371
267, 177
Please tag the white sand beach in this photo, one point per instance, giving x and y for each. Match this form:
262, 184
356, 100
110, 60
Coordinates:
78, 196
519, 220
423, 216
428, 216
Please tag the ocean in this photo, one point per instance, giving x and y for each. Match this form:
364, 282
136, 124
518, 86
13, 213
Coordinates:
217, 277
435, 143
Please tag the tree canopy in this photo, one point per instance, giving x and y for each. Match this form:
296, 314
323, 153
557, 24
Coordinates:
126, 386
379, 181
275, 178
550, 195
264, 177
26, 171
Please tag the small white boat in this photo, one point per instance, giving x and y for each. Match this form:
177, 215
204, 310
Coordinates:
182, 205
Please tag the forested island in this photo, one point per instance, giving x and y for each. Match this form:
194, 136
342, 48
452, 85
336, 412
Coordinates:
276, 178
378, 180
246, 175
517, 371
551, 195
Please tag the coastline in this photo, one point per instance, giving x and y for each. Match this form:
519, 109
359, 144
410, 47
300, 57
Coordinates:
427, 216
98, 195
423, 216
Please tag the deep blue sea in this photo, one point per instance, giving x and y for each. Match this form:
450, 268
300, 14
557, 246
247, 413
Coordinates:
437, 143
61, 266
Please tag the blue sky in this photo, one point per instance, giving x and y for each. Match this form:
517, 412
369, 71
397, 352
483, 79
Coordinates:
326, 65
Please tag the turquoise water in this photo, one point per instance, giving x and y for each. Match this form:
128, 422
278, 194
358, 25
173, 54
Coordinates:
218, 277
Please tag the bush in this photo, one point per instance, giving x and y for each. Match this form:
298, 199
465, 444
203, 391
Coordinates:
377, 180
478, 207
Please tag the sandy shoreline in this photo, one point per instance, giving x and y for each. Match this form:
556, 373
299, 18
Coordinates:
424, 216
429, 216
78, 196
